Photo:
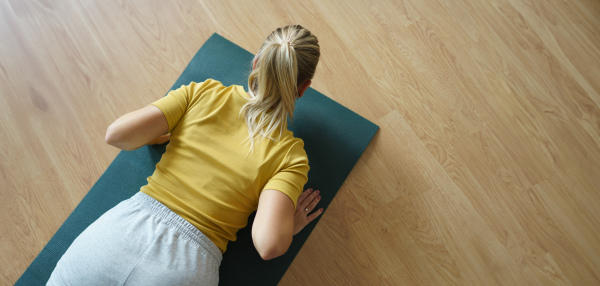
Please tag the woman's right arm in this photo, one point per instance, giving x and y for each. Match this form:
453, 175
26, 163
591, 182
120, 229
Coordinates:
273, 226
277, 221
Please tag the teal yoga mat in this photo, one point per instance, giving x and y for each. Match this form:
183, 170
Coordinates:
334, 138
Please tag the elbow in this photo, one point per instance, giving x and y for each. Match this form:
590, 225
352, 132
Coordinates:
269, 248
112, 138
271, 252
109, 138
269, 257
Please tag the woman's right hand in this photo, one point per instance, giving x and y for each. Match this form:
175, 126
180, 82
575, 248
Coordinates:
306, 203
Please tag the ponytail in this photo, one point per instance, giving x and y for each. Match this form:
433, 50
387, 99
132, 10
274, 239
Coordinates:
287, 59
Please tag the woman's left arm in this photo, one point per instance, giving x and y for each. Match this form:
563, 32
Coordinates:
138, 128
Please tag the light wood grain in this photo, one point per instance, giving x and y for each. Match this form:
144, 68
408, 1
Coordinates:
485, 171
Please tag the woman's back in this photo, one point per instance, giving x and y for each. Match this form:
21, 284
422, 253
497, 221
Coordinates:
207, 175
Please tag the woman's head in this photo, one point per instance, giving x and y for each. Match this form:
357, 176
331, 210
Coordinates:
282, 71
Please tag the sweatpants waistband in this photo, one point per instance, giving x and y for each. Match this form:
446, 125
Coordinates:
174, 220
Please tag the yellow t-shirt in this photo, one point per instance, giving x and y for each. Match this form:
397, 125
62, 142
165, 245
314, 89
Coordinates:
206, 174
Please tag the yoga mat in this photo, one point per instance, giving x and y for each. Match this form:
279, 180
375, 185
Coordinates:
334, 138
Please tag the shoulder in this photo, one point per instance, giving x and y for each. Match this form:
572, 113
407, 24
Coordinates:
197, 91
283, 151
207, 84
293, 148
215, 86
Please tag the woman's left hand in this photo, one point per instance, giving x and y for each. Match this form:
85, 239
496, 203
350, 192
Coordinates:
306, 203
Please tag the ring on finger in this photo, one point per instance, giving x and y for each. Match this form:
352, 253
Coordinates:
306, 209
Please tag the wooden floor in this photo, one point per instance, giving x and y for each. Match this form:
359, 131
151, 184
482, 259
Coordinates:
486, 170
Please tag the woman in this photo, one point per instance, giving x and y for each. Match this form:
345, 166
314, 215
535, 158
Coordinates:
230, 154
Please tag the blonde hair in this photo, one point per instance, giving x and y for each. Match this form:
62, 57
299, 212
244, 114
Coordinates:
287, 59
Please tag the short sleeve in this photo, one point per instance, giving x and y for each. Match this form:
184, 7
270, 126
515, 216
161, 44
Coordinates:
291, 178
174, 105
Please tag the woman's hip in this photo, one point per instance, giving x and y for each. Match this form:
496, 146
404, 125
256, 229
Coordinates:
139, 241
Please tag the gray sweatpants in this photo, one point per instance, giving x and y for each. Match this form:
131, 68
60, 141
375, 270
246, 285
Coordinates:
139, 242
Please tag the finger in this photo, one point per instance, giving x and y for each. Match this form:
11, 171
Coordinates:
304, 195
304, 203
313, 203
314, 215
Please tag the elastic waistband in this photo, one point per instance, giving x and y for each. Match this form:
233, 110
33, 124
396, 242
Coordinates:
152, 205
